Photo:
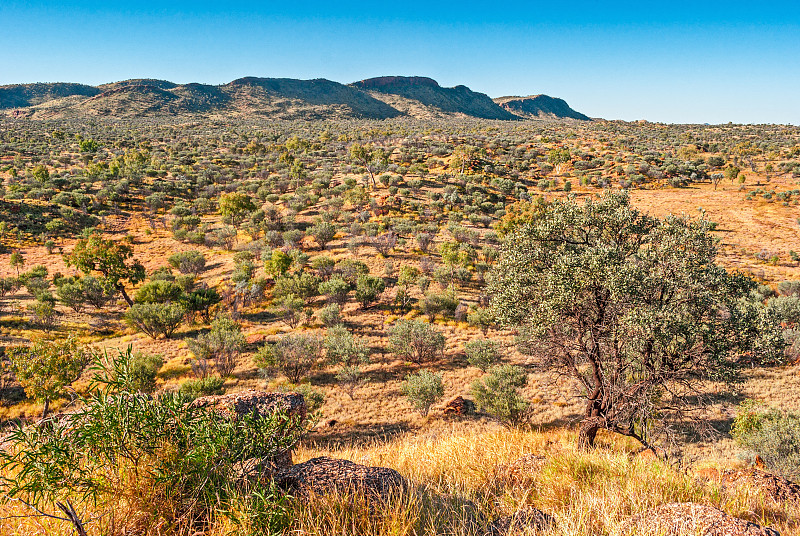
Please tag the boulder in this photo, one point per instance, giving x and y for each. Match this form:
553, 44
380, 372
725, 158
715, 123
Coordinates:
325, 475
254, 402
524, 521
459, 406
776, 487
689, 519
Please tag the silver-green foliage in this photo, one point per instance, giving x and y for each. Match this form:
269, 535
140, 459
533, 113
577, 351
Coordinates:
498, 393
772, 434
423, 389
629, 305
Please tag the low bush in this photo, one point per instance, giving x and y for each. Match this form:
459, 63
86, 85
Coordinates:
423, 389
772, 434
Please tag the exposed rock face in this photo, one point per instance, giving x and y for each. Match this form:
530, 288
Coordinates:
525, 519
540, 106
254, 402
689, 519
776, 487
459, 406
326, 475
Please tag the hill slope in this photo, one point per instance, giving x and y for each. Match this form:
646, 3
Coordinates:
540, 106
25, 95
431, 97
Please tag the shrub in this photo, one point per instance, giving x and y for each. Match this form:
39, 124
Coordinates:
221, 345
772, 434
323, 232
210, 385
291, 308
498, 394
368, 289
201, 301
416, 341
330, 315
188, 262
434, 303
159, 291
423, 389
350, 377
482, 353
155, 319
178, 456
335, 289
293, 355
130, 372
303, 285
342, 347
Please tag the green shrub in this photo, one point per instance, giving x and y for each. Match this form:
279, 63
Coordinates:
130, 372
416, 341
335, 289
210, 385
46, 368
155, 319
368, 289
772, 434
221, 345
331, 315
342, 347
303, 285
188, 262
179, 456
423, 389
158, 291
482, 353
323, 232
497, 393
293, 355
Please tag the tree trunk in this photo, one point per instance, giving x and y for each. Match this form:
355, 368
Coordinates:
125, 296
588, 431
46, 409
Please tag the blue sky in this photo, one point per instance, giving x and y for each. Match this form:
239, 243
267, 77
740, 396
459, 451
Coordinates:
663, 61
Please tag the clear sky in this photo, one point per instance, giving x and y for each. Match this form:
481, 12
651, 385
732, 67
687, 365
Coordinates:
698, 62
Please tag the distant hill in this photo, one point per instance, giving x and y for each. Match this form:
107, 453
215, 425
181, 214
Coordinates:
540, 107
25, 95
279, 98
427, 93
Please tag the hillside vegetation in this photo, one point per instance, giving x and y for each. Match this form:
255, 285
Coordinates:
578, 321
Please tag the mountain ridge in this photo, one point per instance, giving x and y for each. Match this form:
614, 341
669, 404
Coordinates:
382, 97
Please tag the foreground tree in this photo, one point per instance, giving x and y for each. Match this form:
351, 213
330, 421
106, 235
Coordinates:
111, 259
632, 307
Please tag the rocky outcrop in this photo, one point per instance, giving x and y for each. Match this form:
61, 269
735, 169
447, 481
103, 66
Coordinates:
773, 486
459, 406
524, 521
323, 475
259, 403
689, 519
